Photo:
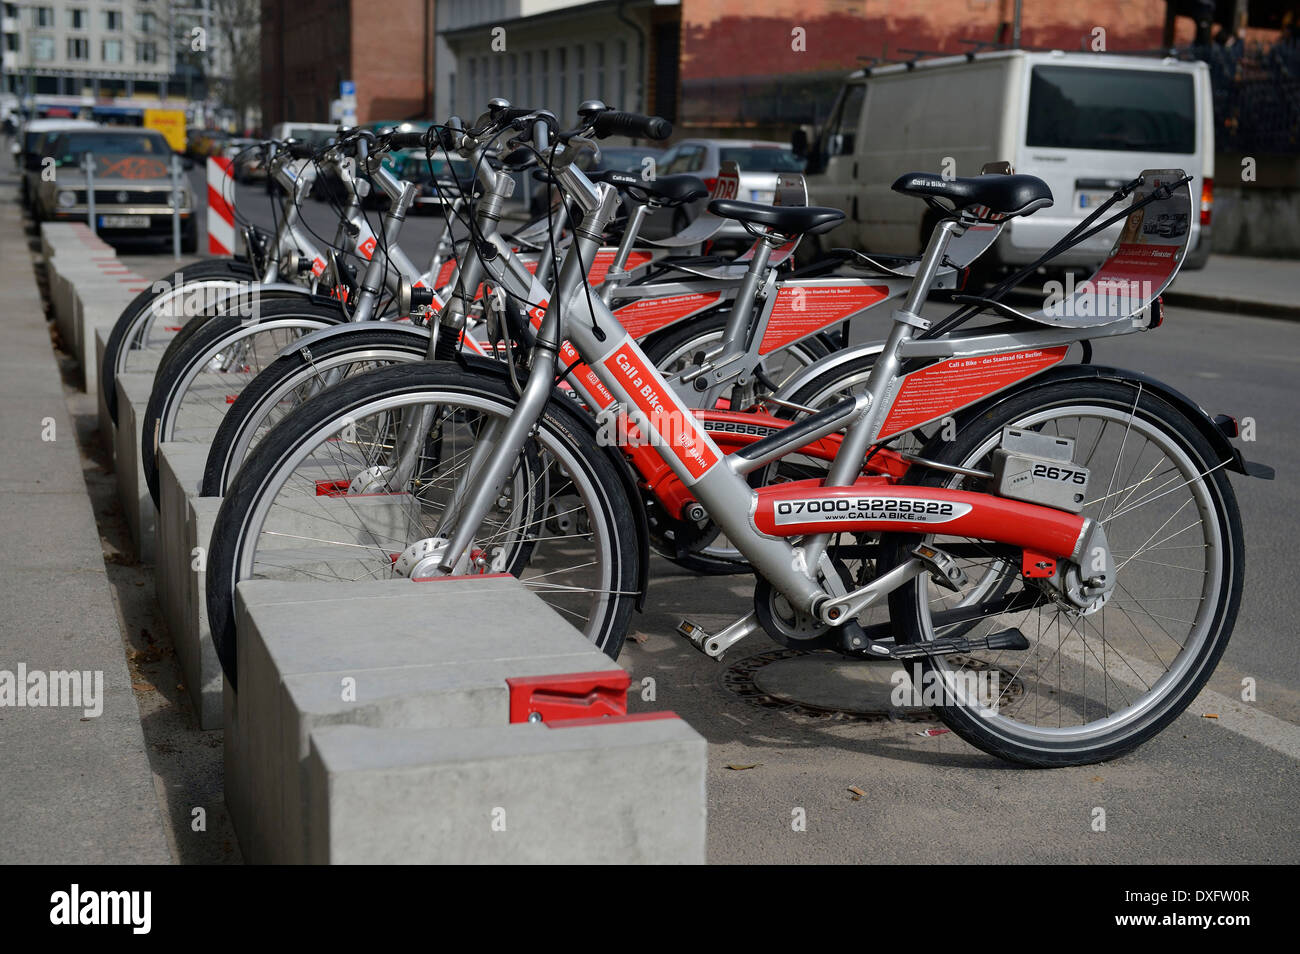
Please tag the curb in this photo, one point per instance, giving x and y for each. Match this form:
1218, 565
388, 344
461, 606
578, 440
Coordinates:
1255, 309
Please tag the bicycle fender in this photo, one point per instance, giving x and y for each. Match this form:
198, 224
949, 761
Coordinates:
324, 334
1218, 440
832, 361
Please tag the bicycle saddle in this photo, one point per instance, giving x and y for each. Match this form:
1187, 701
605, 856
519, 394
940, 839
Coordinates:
668, 190
1006, 195
788, 220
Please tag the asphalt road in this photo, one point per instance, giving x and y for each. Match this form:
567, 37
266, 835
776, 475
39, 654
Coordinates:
1204, 791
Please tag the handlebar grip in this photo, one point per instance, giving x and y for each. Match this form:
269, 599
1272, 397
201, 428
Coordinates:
504, 116
300, 150
634, 125
406, 140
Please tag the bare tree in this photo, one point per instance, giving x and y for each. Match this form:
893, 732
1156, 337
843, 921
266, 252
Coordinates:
237, 27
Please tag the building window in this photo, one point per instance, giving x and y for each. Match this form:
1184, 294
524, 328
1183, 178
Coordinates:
580, 73
113, 20
513, 96
12, 42
77, 18
146, 51
43, 16
471, 88
43, 47
147, 22
112, 51
620, 78
562, 79
600, 71
544, 87
78, 48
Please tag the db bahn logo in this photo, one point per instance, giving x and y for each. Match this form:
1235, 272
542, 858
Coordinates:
134, 167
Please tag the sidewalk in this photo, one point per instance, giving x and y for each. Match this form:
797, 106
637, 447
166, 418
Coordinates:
78, 786
1253, 286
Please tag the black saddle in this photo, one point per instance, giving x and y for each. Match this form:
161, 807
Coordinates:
667, 190
1006, 195
791, 220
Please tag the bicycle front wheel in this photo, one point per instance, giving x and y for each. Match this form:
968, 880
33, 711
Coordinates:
325, 496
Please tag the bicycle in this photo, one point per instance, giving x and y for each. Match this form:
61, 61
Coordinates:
966, 540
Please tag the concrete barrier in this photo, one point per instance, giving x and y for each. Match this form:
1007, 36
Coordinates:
141, 362
137, 506
622, 792
384, 655
95, 313
184, 531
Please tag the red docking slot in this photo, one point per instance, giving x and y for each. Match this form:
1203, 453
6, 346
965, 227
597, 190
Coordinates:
876, 505
577, 695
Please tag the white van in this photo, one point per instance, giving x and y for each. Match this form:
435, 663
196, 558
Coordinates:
314, 133
1082, 122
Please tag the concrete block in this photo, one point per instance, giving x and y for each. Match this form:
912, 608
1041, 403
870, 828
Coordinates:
66, 273
137, 506
614, 793
95, 310
184, 524
195, 649
419, 655
107, 429
141, 362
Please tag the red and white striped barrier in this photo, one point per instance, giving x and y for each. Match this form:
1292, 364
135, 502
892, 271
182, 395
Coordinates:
221, 216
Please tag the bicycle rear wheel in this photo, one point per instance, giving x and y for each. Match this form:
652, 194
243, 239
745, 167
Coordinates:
1094, 683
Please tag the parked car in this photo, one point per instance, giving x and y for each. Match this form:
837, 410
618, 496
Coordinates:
761, 163
1085, 123
410, 164
30, 141
314, 133
133, 189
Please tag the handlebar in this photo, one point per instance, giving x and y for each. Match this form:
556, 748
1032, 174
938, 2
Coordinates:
634, 125
407, 140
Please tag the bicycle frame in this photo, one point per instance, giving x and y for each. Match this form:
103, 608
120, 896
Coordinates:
762, 523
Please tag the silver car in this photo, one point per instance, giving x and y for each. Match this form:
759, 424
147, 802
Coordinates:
760, 161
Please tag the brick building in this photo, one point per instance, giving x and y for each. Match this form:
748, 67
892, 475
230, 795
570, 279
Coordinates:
386, 48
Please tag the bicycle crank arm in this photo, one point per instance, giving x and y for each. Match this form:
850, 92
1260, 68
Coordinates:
715, 646
942, 568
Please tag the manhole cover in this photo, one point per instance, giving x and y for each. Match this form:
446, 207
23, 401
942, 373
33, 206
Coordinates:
828, 686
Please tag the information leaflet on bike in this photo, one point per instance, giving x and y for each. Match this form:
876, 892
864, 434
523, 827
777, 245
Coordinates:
640, 318
801, 310
950, 385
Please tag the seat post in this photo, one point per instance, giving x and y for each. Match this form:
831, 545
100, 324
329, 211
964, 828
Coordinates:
630, 232
743, 309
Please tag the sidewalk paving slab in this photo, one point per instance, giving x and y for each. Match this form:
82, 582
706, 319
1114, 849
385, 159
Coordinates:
79, 788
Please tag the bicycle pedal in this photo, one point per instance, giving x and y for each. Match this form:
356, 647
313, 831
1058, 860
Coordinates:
943, 568
714, 645
694, 632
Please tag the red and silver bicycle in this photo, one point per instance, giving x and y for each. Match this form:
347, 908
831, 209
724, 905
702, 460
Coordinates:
1062, 558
